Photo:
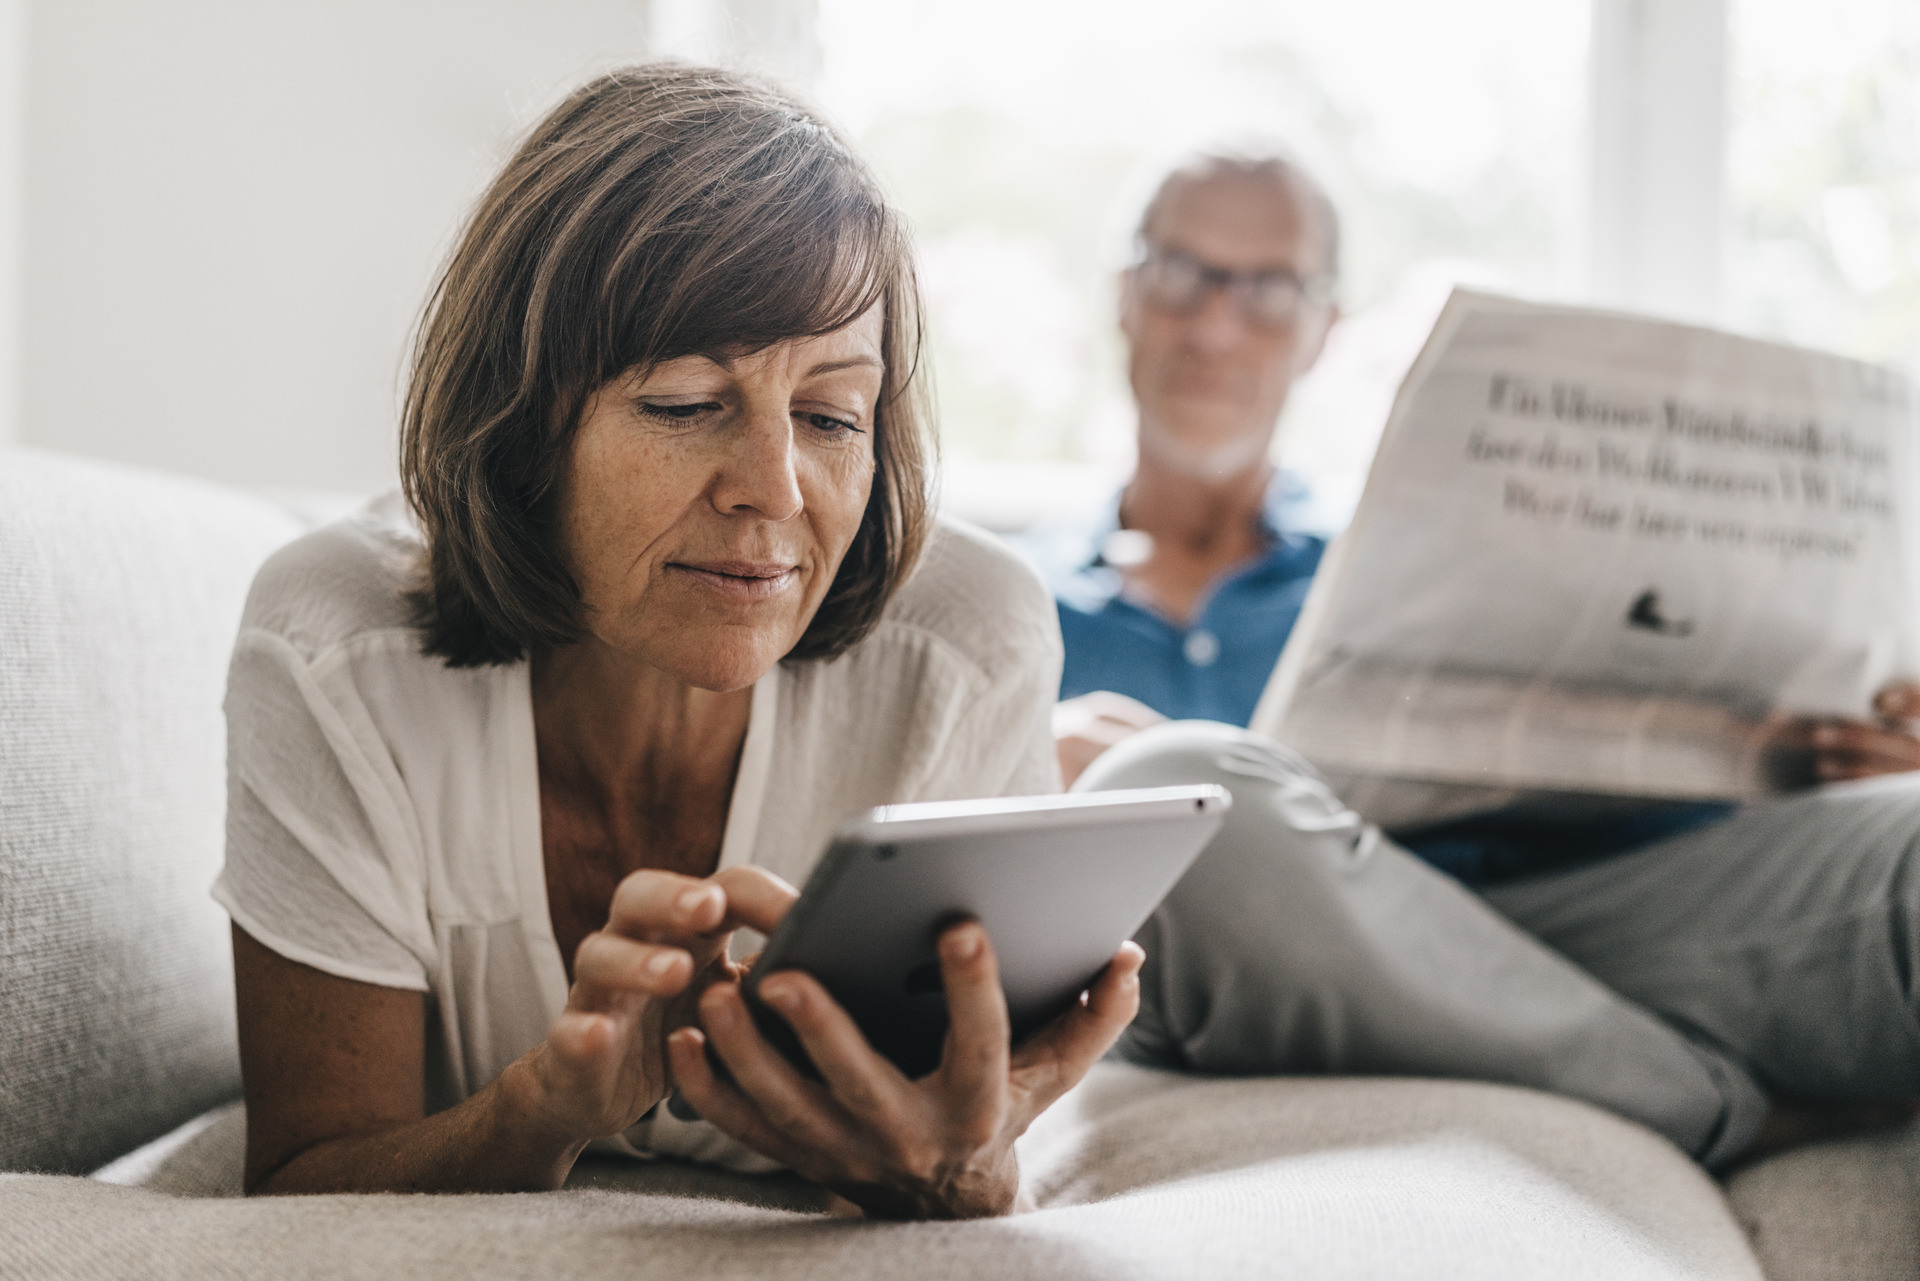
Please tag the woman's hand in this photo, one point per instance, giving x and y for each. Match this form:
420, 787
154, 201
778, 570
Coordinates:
1843, 749
604, 1062
939, 1147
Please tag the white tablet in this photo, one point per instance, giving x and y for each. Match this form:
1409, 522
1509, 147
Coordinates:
1059, 882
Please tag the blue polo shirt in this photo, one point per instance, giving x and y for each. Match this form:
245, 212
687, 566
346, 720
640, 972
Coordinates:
1212, 668
1215, 667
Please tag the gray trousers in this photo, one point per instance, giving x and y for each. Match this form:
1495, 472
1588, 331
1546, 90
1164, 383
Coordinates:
1774, 954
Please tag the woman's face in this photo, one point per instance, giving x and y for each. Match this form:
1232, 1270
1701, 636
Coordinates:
708, 505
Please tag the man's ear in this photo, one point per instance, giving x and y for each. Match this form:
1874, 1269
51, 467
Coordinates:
1126, 302
1308, 352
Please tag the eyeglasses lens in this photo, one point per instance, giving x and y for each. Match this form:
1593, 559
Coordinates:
1270, 299
1179, 283
1172, 281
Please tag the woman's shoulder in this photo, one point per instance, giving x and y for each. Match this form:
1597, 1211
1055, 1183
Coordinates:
979, 596
339, 582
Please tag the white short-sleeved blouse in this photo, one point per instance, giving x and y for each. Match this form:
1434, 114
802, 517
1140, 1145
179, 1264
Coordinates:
384, 809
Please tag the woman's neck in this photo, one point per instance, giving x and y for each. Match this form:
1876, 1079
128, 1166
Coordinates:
626, 733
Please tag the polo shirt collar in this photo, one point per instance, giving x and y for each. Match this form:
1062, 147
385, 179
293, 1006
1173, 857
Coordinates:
1286, 494
1091, 583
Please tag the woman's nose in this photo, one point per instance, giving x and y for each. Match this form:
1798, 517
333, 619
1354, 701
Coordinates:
759, 474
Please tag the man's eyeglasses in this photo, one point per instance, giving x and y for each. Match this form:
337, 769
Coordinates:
1272, 298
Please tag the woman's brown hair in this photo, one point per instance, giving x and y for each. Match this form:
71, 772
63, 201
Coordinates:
661, 211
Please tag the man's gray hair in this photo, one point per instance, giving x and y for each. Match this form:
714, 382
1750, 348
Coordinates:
1260, 162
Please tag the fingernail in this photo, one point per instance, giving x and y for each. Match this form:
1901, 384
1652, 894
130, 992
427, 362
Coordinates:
692, 899
1826, 736
661, 962
781, 995
966, 945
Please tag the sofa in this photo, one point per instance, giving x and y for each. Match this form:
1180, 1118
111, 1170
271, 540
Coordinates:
121, 1136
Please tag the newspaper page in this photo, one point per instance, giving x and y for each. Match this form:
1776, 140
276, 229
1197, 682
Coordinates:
1606, 555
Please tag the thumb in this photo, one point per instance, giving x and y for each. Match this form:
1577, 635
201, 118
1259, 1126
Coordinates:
1898, 703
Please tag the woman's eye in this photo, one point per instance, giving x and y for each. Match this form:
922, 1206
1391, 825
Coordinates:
677, 413
828, 425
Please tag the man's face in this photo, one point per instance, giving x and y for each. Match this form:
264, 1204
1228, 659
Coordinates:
1210, 380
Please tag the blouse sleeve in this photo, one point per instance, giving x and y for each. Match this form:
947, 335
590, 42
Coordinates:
319, 864
1019, 717
1003, 745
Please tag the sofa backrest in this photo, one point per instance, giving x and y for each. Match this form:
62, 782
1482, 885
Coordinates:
120, 592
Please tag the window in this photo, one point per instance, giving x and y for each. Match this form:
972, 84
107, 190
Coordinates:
1823, 174
1022, 135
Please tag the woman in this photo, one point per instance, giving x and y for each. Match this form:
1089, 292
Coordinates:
508, 767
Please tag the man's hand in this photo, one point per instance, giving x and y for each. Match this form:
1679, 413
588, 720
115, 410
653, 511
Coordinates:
1086, 726
1843, 749
940, 1147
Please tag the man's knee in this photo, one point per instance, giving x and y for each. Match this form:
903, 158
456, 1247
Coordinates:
1179, 752
1268, 896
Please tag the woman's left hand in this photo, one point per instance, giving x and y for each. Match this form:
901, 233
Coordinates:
940, 1147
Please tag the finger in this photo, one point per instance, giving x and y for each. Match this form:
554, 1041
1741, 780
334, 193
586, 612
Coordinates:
727, 1108
1074, 753
1898, 702
613, 961
1850, 746
662, 906
973, 1064
871, 1089
1868, 740
756, 898
1054, 1059
1860, 737
796, 1107
1120, 709
582, 1037
1840, 769
583, 1055
1851, 773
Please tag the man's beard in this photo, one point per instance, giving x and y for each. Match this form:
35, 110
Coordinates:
1211, 462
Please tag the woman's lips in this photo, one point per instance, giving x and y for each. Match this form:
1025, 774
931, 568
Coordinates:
740, 579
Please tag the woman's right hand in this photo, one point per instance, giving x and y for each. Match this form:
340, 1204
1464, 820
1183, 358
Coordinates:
604, 1062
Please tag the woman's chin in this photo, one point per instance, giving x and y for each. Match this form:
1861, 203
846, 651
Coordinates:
725, 664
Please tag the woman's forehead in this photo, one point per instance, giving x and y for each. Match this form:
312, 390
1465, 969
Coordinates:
856, 344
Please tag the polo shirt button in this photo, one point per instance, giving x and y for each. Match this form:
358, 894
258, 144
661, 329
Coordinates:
1201, 647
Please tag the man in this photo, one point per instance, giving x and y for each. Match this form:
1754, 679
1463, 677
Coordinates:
1182, 593
1176, 600
1689, 967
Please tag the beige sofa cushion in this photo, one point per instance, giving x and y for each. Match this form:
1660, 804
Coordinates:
1843, 1211
120, 593
1138, 1174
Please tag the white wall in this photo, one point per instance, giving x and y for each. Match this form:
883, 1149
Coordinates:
233, 209
13, 57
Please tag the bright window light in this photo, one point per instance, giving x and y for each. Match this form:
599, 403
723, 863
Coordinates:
1824, 174
1022, 135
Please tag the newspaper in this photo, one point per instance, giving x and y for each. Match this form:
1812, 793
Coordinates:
1600, 554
